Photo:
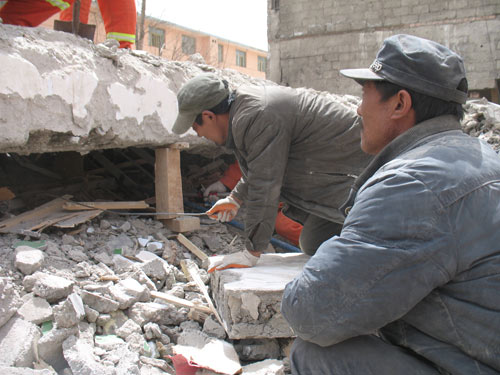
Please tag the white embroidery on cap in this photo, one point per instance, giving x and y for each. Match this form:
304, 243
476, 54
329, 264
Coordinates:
376, 66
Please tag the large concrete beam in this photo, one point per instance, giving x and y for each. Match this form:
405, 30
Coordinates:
248, 299
59, 92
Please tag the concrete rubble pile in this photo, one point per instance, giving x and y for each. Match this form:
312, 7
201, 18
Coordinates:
82, 303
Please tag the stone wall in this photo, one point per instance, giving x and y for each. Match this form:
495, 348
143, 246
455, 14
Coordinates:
311, 40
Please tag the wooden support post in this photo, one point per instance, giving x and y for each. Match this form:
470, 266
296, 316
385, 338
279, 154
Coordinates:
168, 186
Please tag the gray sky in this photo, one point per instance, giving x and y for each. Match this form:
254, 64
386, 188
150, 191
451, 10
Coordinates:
243, 21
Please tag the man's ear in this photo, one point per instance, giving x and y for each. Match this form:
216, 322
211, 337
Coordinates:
402, 104
209, 114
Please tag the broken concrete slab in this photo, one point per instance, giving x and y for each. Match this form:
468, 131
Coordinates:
80, 356
50, 287
99, 302
128, 291
62, 93
248, 299
10, 301
50, 346
35, 310
16, 342
165, 314
70, 312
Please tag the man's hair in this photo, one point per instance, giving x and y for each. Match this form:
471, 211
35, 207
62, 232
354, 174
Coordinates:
425, 106
222, 107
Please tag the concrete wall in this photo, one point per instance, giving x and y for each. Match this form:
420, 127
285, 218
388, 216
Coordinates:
311, 40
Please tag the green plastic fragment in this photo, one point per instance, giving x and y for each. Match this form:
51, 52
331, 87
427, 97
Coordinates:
34, 244
47, 326
117, 251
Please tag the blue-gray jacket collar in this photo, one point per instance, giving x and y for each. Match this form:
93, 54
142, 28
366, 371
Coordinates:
402, 143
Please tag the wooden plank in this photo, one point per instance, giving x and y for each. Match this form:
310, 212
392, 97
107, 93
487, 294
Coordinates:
80, 206
77, 218
184, 224
168, 182
180, 302
191, 247
34, 215
193, 272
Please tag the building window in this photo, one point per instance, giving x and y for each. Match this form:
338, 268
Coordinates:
156, 37
188, 45
241, 58
261, 63
220, 53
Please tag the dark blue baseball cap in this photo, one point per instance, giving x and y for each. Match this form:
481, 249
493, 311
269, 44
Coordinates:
417, 64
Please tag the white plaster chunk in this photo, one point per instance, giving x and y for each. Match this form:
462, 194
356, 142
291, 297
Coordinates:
251, 302
128, 328
27, 86
28, 259
137, 104
75, 87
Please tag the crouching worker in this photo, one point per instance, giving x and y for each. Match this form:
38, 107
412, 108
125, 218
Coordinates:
411, 285
293, 145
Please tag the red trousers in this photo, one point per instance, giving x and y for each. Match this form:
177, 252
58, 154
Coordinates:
119, 16
31, 12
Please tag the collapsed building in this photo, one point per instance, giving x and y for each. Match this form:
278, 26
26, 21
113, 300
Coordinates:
126, 292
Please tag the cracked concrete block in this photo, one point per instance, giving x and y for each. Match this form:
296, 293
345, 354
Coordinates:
50, 346
80, 356
165, 314
152, 331
24, 371
36, 310
28, 259
70, 312
129, 363
267, 367
50, 287
10, 301
98, 302
137, 343
128, 328
249, 299
213, 328
17, 342
129, 291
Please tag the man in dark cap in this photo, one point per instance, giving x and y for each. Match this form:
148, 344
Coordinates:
297, 146
411, 285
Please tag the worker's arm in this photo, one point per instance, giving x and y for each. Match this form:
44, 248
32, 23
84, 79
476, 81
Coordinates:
396, 247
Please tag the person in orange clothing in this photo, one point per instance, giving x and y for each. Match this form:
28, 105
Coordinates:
31, 12
284, 226
119, 15
119, 18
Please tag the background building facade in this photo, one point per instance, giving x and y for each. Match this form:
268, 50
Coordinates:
311, 40
175, 42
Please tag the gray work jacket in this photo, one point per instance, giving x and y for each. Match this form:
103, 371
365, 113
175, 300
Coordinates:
418, 258
297, 145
